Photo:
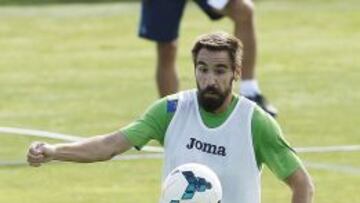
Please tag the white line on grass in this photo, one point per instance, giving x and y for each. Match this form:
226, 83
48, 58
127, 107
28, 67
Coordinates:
321, 166
334, 167
40, 133
58, 136
326, 149
12, 163
72, 138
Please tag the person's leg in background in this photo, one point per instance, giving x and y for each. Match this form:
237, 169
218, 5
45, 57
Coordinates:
160, 21
242, 13
166, 71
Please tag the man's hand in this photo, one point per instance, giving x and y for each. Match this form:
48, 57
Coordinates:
40, 152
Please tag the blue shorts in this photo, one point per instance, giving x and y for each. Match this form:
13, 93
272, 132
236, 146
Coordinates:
160, 19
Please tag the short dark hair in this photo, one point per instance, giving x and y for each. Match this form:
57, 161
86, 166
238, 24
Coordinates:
220, 41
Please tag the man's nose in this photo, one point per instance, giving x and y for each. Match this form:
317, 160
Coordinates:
210, 80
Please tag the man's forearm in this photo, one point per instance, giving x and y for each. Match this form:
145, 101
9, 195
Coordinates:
99, 148
302, 195
301, 186
83, 151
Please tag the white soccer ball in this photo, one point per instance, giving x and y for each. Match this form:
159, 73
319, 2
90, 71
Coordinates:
191, 183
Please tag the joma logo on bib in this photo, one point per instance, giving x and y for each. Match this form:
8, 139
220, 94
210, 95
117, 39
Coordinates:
206, 147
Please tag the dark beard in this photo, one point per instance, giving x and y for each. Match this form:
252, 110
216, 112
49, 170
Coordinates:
213, 102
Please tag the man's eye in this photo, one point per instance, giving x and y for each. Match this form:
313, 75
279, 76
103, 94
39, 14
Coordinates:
203, 69
220, 71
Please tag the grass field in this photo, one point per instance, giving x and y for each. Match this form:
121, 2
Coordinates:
81, 69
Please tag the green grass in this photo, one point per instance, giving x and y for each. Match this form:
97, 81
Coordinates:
80, 69
48, 2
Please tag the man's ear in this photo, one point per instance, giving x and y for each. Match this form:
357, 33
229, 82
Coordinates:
237, 73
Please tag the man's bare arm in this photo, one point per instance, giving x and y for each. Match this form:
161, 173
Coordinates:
301, 186
98, 148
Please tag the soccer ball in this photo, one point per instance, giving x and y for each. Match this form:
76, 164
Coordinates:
191, 183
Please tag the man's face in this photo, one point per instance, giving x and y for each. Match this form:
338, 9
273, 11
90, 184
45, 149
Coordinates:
214, 76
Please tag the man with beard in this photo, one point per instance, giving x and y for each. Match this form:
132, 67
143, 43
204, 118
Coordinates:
209, 125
